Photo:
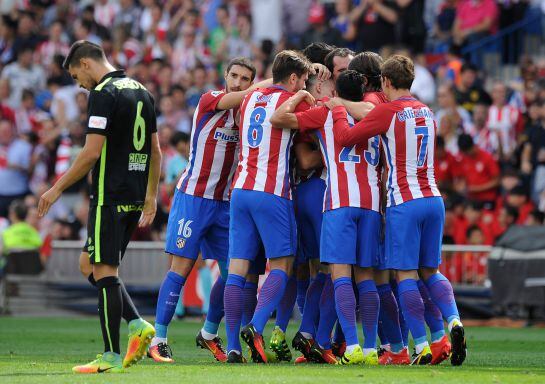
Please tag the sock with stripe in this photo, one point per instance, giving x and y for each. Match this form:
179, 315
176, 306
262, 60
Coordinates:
285, 307
412, 307
130, 312
302, 287
249, 300
442, 295
169, 294
270, 295
389, 318
369, 310
345, 305
215, 310
402, 323
328, 314
232, 302
110, 307
432, 315
311, 312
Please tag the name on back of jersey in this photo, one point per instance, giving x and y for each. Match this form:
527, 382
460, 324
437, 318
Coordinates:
138, 161
414, 114
226, 134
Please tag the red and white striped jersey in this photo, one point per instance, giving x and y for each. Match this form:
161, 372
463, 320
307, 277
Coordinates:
264, 150
408, 134
214, 150
504, 121
353, 172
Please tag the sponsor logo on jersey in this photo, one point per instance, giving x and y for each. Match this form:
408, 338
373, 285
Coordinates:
98, 122
225, 134
137, 161
264, 98
180, 242
129, 208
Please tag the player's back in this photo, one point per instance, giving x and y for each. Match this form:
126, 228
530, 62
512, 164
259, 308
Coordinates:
353, 173
375, 98
410, 145
122, 110
213, 150
264, 149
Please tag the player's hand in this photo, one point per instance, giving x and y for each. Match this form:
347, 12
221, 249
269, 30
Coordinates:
321, 71
332, 103
303, 95
47, 200
148, 213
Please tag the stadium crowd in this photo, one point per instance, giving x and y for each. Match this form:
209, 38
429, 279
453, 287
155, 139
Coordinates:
491, 151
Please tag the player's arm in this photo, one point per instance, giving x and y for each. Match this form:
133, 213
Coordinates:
150, 204
233, 99
357, 109
84, 162
307, 158
284, 116
373, 124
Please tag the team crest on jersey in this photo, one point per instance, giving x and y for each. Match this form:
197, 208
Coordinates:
180, 242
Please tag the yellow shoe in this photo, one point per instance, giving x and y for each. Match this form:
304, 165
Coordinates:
371, 358
140, 334
356, 357
422, 358
109, 362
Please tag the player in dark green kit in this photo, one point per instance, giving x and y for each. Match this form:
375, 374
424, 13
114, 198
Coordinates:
122, 149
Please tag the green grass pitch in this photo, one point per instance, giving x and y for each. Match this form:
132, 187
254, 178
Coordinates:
34, 350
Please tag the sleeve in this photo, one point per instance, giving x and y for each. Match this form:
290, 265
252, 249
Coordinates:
100, 112
375, 123
313, 118
154, 115
209, 101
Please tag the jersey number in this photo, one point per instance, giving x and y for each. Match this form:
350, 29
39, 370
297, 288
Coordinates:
184, 230
422, 132
348, 154
255, 133
139, 133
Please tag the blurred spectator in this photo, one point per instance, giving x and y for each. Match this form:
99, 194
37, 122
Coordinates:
487, 139
56, 44
267, 20
23, 74
443, 23
505, 120
8, 28
412, 31
517, 198
450, 72
533, 157
27, 117
319, 29
474, 20
199, 88
536, 217
445, 164
344, 24
478, 174
468, 91
448, 105
376, 20
128, 16
178, 162
27, 35
15, 156
424, 84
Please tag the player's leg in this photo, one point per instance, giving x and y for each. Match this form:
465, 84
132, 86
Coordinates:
244, 243
439, 287
284, 312
275, 221
188, 222
402, 323
402, 255
321, 351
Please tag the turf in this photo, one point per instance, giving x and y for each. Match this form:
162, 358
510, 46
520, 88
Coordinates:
36, 350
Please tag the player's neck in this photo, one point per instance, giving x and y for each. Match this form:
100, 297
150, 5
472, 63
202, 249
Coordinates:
399, 93
103, 70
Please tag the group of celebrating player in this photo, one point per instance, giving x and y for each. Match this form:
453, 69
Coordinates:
336, 182
326, 171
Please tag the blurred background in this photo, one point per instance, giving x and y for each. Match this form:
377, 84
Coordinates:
479, 63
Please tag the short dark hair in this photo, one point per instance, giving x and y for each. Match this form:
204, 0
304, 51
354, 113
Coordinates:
287, 62
337, 52
242, 62
399, 70
538, 215
468, 67
312, 79
178, 137
83, 49
465, 142
349, 85
512, 211
471, 229
368, 64
19, 209
440, 142
317, 52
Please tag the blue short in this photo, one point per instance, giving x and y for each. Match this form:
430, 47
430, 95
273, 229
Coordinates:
309, 200
261, 218
414, 232
381, 265
196, 224
350, 236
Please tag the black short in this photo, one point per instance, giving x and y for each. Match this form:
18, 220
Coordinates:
109, 230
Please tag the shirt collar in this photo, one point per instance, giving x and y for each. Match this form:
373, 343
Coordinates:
118, 73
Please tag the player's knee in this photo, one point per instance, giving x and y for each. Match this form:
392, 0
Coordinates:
302, 271
404, 275
425, 273
381, 276
362, 274
239, 267
182, 265
283, 263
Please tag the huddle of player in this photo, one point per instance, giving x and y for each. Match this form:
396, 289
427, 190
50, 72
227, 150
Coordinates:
336, 183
